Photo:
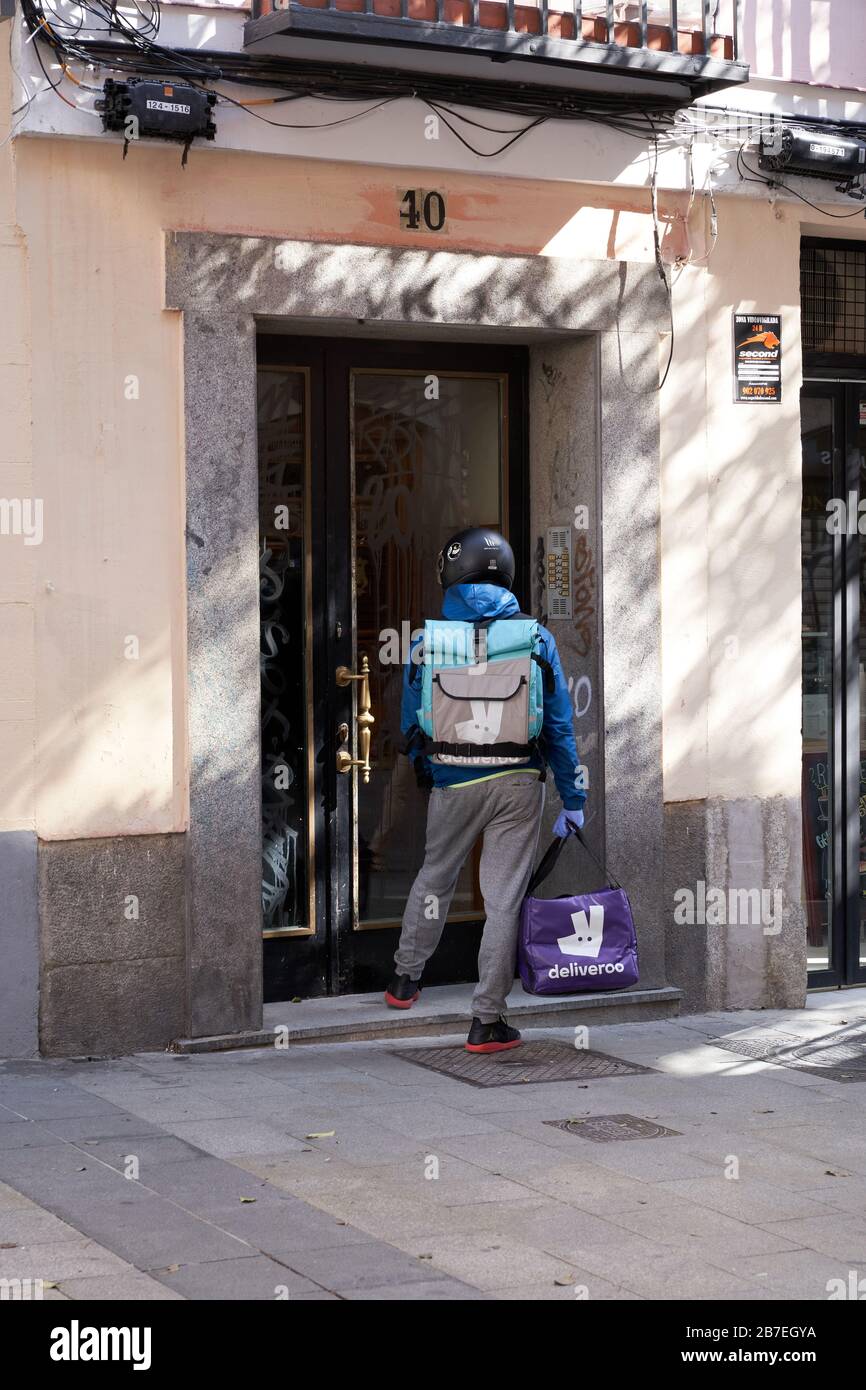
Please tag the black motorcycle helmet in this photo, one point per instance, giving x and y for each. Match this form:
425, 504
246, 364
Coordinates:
476, 556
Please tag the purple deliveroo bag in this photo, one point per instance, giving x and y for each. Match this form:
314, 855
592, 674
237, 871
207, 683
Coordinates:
576, 944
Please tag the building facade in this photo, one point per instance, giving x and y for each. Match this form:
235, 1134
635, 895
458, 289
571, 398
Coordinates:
437, 264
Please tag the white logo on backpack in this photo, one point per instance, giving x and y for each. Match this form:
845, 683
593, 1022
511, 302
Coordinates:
484, 725
588, 933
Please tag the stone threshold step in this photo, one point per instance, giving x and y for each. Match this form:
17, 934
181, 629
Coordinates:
442, 1009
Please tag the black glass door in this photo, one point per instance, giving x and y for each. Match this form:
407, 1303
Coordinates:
833, 420
370, 456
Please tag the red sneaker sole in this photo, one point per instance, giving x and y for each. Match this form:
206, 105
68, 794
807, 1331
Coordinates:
400, 1003
493, 1047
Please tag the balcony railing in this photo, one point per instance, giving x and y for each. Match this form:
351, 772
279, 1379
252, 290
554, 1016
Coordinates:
688, 47
687, 27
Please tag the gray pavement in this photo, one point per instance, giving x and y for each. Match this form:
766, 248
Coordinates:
344, 1171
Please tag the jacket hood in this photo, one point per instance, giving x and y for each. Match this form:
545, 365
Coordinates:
465, 602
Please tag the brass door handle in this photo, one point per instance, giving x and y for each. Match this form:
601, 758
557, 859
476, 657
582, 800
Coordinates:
363, 719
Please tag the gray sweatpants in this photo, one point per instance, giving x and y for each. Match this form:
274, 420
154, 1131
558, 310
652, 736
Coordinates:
508, 812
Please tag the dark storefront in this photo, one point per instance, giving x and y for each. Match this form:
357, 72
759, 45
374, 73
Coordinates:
834, 611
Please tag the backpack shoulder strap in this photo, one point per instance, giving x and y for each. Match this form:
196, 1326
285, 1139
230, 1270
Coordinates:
546, 668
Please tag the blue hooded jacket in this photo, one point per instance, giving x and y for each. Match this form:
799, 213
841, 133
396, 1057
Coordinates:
465, 603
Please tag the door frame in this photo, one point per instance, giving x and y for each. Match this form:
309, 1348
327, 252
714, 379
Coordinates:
336, 958
844, 735
604, 320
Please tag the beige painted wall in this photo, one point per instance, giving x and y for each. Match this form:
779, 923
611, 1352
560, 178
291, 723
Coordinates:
730, 528
109, 731
17, 560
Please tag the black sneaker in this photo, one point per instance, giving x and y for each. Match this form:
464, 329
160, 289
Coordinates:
491, 1037
402, 992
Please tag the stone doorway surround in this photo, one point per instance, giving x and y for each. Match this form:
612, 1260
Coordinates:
593, 327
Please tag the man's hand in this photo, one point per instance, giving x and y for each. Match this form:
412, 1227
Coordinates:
567, 822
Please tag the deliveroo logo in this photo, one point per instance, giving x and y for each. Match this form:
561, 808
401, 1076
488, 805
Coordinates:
588, 933
484, 725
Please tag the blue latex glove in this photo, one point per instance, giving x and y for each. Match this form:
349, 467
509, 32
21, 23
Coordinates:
567, 822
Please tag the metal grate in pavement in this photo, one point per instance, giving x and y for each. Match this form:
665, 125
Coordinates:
532, 1062
837, 1056
602, 1129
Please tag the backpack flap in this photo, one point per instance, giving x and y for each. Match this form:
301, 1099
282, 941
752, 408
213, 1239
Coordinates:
484, 706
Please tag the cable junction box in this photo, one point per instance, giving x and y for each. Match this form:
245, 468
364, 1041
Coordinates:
144, 109
790, 150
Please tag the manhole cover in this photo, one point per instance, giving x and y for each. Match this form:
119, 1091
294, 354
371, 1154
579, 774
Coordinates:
838, 1056
534, 1061
601, 1129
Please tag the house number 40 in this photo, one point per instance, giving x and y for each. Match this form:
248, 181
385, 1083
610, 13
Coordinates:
422, 211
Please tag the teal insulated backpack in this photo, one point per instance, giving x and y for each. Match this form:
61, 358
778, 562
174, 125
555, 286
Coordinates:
482, 690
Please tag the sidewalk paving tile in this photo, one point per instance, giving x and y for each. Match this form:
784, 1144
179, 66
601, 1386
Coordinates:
57, 1260
163, 1105
426, 1120
57, 1175
583, 1287
279, 1229
202, 1183
491, 1259
842, 1237
238, 1138
745, 1199
673, 1275
690, 1224
840, 1193
131, 1286
792, 1274
366, 1266
27, 1134
62, 1102
153, 1233
33, 1226
252, 1277
438, 1290
116, 1124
